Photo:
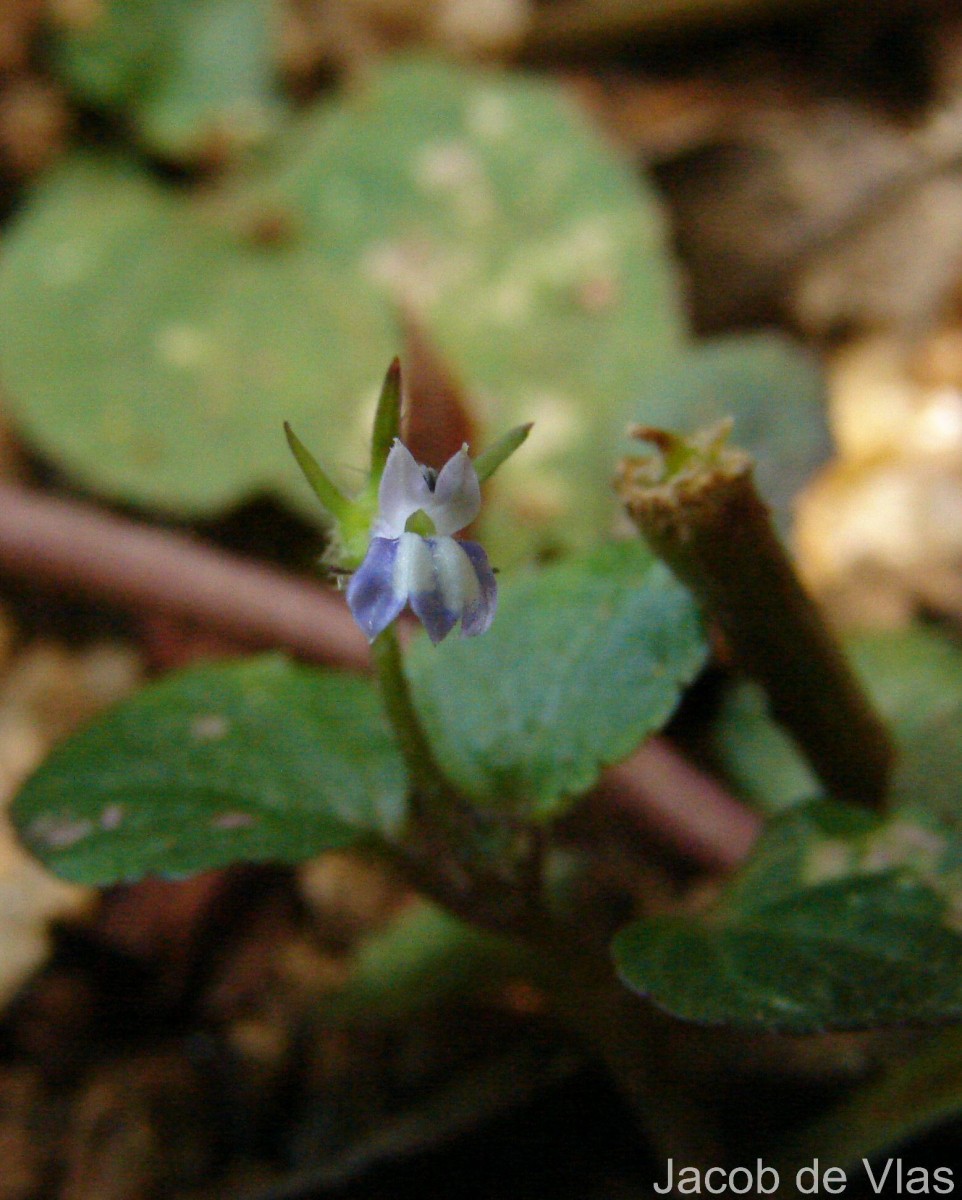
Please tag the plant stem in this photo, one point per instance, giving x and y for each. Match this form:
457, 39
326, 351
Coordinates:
697, 505
649, 1054
426, 777
481, 866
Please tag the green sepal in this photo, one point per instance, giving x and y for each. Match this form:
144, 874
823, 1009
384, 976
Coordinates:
387, 420
489, 460
334, 503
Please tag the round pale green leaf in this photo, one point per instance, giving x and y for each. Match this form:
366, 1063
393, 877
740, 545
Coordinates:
153, 339
839, 921
585, 659
164, 349
195, 77
253, 760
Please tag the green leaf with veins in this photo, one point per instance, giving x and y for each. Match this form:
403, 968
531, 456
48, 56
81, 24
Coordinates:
840, 920
831, 927
585, 659
255, 760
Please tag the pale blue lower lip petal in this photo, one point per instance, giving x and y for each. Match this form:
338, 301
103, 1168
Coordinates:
477, 617
371, 596
430, 610
444, 581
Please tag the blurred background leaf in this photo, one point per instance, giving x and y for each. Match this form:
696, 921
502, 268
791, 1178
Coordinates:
913, 675
774, 391
152, 338
196, 78
755, 755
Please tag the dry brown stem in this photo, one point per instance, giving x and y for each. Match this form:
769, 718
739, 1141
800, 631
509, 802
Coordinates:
697, 506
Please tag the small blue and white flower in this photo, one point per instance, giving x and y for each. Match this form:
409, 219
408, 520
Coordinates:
443, 579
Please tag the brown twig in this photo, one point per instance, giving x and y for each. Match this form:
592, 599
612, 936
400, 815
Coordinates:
84, 550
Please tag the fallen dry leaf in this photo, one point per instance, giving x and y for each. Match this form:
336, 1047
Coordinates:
45, 691
881, 531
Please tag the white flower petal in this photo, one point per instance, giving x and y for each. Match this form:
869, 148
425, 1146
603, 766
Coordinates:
402, 492
439, 594
414, 566
456, 576
456, 499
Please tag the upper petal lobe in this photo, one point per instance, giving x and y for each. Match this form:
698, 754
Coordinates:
456, 499
402, 491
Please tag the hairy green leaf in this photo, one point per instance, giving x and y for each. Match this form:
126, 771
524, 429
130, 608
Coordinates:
585, 659
253, 760
841, 920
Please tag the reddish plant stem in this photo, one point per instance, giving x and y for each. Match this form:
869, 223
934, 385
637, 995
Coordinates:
83, 550
681, 807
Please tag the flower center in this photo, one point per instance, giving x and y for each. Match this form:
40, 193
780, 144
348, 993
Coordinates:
419, 522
